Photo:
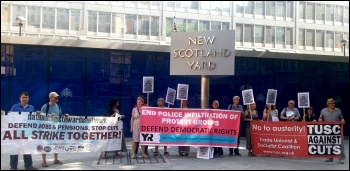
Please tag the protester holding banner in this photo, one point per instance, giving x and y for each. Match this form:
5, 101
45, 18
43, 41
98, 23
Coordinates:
290, 113
218, 152
160, 103
249, 115
309, 116
333, 114
236, 107
144, 104
52, 108
112, 111
23, 106
270, 113
135, 128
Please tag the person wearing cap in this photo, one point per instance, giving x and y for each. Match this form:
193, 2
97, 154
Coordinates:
333, 114
290, 113
51, 108
236, 107
309, 116
160, 103
23, 106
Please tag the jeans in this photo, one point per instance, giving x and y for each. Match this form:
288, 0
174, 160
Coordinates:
26, 157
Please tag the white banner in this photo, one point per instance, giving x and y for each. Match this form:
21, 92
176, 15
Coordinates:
303, 100
248, 97
182, 92
271, 97
41, 134
170, 96
148, 84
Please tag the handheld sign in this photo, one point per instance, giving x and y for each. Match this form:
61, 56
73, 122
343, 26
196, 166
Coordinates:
271, 97
148, 84
248, 97
182, 92
303, 100
170, 96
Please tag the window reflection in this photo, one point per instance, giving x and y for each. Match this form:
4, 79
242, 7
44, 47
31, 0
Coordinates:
192, 25
329, 13
5, 14
216, 6
270, 34
248, 33
320, 9
270, 8
280, 35
62, 18
259, 34
193, 5
329, 39
33, 17
281, 9
310, 38
92, 20
155, 26
319, 38
290, 9
249, 7
302, 8
301, 37
203, 25
143, 25
338, 14
260, 8
131, 24
310, 11
239, 32
289, 36
75, 19
226, 6
104, 22
225, 26
118, 26
215, 25
239, 7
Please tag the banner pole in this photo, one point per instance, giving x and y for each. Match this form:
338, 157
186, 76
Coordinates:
148, 99
168, 105
181, 104
304, 114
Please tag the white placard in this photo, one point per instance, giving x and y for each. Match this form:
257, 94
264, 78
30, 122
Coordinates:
182, 92
303, 100
147, 84
271, 97
205, 152
170, 96
248, 97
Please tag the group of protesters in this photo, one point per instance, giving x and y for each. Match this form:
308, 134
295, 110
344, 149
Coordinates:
270, 113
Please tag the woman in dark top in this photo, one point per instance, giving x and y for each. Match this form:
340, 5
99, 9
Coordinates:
112, 111
249, 115
309, 116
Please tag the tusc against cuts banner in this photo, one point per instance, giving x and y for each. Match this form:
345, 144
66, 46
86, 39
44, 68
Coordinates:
297, 139
189, 127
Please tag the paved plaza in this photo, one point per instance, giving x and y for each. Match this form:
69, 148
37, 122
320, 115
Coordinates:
93, 161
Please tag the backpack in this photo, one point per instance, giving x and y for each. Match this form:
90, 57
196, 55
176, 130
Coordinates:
48, 107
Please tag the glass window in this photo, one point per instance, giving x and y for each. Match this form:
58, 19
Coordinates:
270, 34
181, 24
226, 6
75, 20
329, 39
248, 33
204, 5
131, 22
48, 18
310, 11
169, 26
259, 34
225, 26
310, 38
5, 14
215, 25
249, 7
320, 12
319, 38
203, 25
290, 9
118, 26
104, 22
338, 37
143, 25
216, 6
62, 18
259, 7
329, 12
181, 5
154, 26
289, 36
301, 37
338, 13
92, 20
346, 16
270, 8
239, 7
302, 7
170, 4
192, 25
33, 17
192, 5
280, 35
239, 32
281, 9
18, 10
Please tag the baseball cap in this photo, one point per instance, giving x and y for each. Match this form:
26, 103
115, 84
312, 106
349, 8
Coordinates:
53, 94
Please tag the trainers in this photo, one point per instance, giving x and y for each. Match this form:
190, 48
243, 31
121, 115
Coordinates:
31, 168
44, 165
57, 162
155, 153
